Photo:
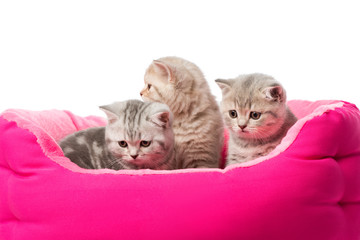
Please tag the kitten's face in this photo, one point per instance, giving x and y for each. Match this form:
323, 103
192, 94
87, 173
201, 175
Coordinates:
252, 108
166, 80
141, 136
142, 148
157, 88
256, 121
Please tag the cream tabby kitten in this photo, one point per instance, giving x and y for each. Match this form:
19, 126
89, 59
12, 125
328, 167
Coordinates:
198, 125
255, 112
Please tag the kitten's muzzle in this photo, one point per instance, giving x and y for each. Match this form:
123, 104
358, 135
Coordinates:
242, 127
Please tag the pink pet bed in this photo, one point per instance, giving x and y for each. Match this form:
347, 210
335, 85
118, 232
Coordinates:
307, 188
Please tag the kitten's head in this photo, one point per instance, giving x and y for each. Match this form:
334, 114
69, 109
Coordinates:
172, 80
138, 134
253, 106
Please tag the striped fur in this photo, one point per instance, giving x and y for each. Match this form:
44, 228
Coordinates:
198, 125
132, 122
262, 117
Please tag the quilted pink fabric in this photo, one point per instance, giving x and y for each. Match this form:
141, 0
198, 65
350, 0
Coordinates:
307, 188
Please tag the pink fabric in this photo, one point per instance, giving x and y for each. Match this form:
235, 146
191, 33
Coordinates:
307, 188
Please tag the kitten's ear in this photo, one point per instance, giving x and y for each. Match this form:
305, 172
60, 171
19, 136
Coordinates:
224, 85
164, 69
112, 117
276, 94
162, 119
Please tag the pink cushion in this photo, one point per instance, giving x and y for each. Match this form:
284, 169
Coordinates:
307, 188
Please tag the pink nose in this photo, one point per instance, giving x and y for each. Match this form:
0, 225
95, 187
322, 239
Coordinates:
134, 156
242, 127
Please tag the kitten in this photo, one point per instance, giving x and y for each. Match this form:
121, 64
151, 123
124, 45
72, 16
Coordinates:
255, 112
138, 135
198, 125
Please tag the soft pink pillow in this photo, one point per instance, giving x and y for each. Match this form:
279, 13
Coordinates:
307, 188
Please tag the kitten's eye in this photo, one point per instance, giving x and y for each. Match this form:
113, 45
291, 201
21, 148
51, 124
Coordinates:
123, 144
233, 114
149, 86
145, 143
255, 115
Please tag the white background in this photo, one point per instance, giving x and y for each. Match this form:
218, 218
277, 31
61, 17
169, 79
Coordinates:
77, 55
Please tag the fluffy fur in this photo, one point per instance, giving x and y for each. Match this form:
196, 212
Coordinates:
255, 111
198, 126
138, 135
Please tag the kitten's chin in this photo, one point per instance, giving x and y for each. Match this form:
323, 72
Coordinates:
244, 134
138, 163
147, 99
249, 135
255, 134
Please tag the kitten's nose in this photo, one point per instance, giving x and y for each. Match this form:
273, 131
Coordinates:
242, 127
141, 94
134, 156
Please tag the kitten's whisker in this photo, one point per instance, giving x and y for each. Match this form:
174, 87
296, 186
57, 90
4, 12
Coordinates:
112, 163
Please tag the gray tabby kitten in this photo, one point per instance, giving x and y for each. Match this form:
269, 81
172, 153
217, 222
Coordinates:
255, 112
138, 135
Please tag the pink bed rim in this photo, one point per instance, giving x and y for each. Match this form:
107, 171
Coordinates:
307, 188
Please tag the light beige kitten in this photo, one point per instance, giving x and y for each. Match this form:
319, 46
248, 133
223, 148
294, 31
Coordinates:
255, 111
198, 125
